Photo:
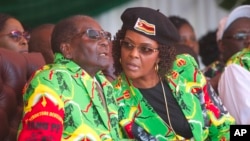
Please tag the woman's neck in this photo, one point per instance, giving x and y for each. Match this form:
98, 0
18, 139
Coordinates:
147, 81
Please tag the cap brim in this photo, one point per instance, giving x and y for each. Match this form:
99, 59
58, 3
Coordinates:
239, 12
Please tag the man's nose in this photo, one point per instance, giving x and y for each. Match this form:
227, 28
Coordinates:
247, 41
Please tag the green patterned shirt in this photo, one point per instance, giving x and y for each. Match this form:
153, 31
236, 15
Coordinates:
207, 117
241, 58
61, 103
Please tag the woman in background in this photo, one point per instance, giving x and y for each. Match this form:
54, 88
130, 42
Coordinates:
187, 35
12, 34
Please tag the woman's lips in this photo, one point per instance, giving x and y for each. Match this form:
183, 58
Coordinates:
131, 66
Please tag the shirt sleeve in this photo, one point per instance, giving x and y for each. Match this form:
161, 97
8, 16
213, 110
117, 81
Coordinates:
42, 114
234, 92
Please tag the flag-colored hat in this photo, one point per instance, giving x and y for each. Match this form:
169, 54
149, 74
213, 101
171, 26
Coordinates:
150, 23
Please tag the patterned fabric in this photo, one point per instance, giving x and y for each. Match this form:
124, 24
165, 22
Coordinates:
61, 103
213, 69
203, 110
241, 58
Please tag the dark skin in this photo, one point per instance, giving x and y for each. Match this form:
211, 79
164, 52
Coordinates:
90, 54
109, 70
188, 37
230, 46
137, 66
7, 42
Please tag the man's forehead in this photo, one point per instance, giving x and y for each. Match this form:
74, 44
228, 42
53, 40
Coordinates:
239, 24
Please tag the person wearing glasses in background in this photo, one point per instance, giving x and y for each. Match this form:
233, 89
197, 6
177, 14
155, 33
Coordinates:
162, 96
72, 99
233, 85
12, 34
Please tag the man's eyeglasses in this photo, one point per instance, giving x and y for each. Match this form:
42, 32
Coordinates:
96, 34
145, 50
17, 35
239, 36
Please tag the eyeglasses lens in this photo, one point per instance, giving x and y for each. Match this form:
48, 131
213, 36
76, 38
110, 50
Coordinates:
241, 36
142, 49
97, 35
17, 35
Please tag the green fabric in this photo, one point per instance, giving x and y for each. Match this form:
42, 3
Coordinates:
208, 119
241, 58
35, 12
75, 92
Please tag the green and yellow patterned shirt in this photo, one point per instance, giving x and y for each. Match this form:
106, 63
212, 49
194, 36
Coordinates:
61, 103
241, 58
207, 117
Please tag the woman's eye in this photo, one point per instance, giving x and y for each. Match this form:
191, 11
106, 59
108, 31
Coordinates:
145, 49
128, 45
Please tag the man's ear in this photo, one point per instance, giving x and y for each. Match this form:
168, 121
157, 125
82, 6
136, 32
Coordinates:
66, 50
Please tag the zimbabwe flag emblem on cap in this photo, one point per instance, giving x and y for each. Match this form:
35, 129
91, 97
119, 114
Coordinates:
145, 27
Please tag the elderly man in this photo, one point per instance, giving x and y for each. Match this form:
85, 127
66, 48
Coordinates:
72, 99
234, 82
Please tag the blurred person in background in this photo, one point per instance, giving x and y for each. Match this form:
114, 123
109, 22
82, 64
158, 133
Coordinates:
233, 85
187, 34
12, 34
209, 50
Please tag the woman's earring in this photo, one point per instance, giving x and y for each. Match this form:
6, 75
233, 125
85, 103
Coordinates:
120, 60
156, 67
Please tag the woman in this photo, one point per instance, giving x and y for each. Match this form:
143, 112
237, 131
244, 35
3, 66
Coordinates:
187, 35
162, 96
12, 34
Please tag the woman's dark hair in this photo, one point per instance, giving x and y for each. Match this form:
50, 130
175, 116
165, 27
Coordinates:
209, 50
178, 21
3, 18
167, 54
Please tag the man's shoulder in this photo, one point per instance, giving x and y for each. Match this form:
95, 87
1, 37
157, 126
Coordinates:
50, 69
241, 58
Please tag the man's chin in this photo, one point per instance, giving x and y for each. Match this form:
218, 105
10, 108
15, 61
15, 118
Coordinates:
105, 65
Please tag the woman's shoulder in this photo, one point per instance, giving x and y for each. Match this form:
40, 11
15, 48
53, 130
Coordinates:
186, 69
185, 60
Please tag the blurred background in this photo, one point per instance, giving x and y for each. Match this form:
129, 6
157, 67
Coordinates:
204, 15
